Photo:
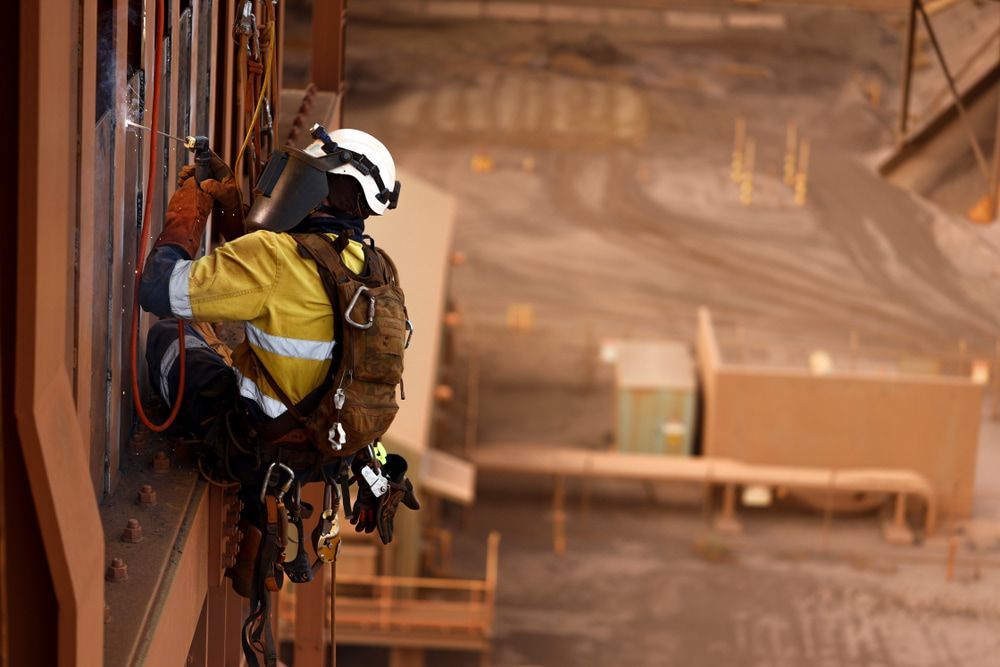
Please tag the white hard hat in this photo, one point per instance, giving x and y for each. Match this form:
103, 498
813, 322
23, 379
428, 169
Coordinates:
365, 159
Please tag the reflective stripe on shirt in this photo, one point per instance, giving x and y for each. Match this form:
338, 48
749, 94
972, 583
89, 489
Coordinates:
249, 389
180, 297
295, 348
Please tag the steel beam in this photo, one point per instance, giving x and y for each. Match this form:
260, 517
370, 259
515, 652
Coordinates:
236, 611
310, 642
174, 619
83, 348
994, 193
904, 107
328, 44
956, 96
55, 451
217, 644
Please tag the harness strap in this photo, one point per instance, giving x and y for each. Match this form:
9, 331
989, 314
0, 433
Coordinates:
294, 416
257, 635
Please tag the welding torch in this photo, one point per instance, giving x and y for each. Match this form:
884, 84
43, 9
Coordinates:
197, 144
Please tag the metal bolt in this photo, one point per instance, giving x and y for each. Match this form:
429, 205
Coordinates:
232, 549
132, 532
117, 570
161, 462
147, 496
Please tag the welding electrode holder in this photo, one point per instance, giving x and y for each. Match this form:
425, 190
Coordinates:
202, 157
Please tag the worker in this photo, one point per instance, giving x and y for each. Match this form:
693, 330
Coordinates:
309, 392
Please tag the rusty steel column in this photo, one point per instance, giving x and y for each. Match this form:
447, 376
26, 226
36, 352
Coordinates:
328, 44
55, 451
310, 605
904, 106
333, 614
236, 612
995, 181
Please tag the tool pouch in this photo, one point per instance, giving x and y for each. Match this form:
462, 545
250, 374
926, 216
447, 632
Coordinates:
242, 573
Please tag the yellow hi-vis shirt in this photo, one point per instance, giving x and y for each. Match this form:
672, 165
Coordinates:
263, 281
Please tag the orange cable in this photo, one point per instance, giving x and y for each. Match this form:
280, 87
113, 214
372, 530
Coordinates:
150, 186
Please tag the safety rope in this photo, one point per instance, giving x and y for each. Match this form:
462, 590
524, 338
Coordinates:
260, 98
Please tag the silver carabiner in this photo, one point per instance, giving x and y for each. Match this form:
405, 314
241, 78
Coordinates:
409, 334
354, 302
267, 480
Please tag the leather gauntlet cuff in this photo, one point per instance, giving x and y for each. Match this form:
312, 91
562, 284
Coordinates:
187, 215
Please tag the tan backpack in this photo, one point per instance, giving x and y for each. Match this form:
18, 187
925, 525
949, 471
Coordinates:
356, 403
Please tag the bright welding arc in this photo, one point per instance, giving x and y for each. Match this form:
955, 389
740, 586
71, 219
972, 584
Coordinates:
131, 123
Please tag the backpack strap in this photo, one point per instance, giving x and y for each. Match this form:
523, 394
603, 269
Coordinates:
393, 272
326, 253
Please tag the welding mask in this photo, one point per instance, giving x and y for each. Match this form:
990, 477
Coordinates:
294, 182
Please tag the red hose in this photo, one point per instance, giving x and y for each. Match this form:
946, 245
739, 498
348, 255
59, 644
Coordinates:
150, 187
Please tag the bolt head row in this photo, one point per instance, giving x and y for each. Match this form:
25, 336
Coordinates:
132, 532
147, 495
161, 462
117, 570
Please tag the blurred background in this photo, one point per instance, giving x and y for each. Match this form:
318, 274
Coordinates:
706, 365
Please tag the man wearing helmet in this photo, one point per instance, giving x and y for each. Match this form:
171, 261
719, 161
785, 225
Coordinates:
291, 359
259, 277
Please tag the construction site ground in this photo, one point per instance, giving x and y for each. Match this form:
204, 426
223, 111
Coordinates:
592, 169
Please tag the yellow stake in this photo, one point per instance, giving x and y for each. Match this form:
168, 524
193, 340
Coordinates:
746, 181
739, 143
801, 178
791, 144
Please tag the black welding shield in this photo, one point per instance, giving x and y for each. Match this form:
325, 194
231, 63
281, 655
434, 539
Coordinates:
293, 185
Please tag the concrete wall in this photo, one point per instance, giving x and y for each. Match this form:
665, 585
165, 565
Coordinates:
926, 424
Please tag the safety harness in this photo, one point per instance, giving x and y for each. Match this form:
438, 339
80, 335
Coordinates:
257, 634
333, 434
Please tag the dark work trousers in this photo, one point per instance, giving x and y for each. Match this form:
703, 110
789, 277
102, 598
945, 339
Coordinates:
209, 383
210, 389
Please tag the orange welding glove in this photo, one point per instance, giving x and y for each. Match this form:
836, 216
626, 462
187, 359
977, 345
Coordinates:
187, 214
229, 209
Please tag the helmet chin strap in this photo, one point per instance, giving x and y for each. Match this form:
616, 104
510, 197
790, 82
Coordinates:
360, 162
334, 213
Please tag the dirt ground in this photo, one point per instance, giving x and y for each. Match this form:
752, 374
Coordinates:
645, 583
608, 207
